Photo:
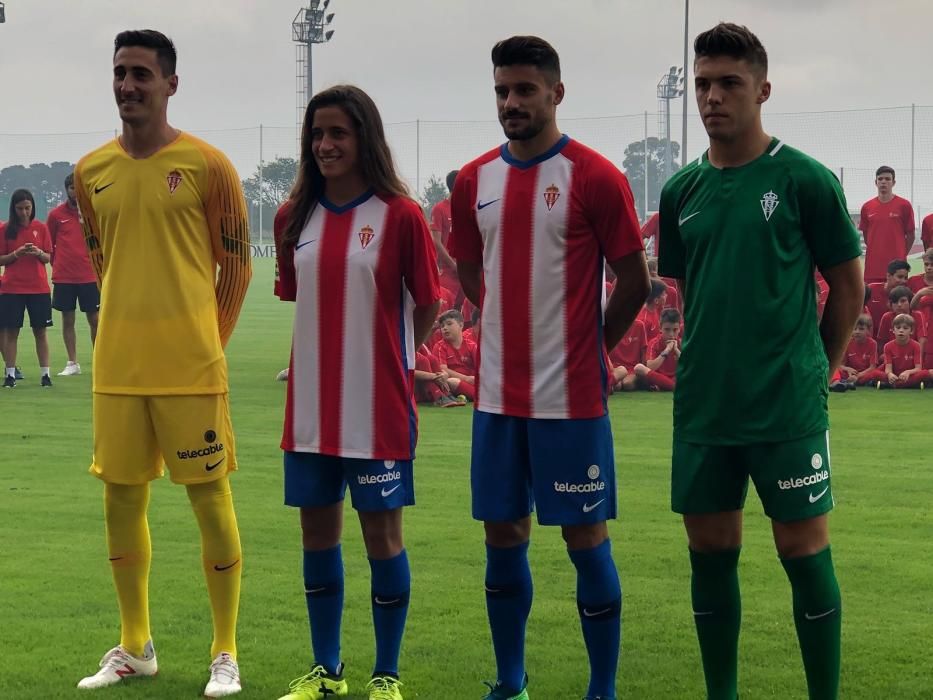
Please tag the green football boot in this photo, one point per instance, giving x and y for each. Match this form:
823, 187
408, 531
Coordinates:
317, 685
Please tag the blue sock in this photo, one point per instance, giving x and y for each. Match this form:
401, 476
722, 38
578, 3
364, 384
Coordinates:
508, 603
391, 588
599, 600
323, 573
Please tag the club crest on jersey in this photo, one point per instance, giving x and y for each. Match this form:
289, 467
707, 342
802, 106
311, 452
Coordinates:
769, 202
174, 180
551, 195
366, 235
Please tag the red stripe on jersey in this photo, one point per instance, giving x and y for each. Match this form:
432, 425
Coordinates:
517, 227
332, 285
392, 380
583, 321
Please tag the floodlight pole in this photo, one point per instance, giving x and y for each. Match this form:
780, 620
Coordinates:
683, 139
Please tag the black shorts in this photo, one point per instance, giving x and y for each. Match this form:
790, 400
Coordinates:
66, 295
12, 307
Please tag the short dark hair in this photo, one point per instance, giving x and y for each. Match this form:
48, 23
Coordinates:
451, 179
899, 293
735, 41
450, 314
527, 51
903, 320
863, 321
885, 169
670, 315
69, 180
657, 289
150, 39
898, 264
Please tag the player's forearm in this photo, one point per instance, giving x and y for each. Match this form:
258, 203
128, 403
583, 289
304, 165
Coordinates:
423, 320
456, 375
909, 239
628, 297
655, 363
471, 279
843, 306
7, 259
232, 283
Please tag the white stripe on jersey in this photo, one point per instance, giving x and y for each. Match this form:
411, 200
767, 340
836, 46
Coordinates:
306, 369
549, 288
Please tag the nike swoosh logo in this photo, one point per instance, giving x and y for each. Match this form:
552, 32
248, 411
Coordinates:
817, 617
224, 568
587, 613
483, 205
98, 190
681, 222
379, 601
315, 590
212, 467
302, 245
115, 558
814, 499
492, 590
587, 507
701, 614
390, 491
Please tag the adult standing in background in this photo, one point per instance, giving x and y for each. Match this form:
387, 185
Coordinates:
887, 225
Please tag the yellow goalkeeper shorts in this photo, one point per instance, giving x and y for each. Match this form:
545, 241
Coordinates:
136, 437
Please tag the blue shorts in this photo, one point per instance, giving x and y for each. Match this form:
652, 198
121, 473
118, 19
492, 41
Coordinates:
314, 480
564, 468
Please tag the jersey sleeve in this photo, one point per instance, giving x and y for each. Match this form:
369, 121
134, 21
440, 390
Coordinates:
419, 257
610, 207
46, 240
285, 288
926, 231
910, 226
466, 242
672, 256
824, 217
228, 223
89, 225
863, 218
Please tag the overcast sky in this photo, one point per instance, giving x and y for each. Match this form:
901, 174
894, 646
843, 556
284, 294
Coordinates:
430, 60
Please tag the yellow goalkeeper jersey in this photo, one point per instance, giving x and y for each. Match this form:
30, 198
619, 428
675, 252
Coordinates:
168, 237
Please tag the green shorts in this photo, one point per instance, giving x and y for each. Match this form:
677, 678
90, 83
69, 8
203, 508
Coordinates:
792, 478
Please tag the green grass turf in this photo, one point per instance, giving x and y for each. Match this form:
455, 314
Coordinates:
58, 612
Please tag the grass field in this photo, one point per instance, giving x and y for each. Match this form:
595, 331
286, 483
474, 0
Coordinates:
58, 610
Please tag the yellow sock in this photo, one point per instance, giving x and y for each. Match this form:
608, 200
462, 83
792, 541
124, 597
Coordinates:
130, 552
220, 552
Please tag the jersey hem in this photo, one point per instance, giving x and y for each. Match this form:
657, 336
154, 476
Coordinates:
154, 391
544, 415
739, 442
350, 454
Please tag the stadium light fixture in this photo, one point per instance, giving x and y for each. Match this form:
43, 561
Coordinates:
329, 18
328, 34
2, 13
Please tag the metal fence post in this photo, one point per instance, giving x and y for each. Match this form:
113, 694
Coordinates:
260, 184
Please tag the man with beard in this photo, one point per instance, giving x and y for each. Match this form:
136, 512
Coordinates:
533, 223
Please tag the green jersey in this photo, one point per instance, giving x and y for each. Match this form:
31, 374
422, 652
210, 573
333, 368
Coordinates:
753, 367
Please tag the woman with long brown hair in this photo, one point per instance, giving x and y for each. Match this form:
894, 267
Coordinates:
355, 254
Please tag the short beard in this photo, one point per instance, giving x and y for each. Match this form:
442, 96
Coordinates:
523, 134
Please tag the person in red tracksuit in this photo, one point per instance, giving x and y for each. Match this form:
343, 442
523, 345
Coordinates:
899, 299
629, 352
861, 360
659, 373
25, 250
74, 278
902, 359
456, 356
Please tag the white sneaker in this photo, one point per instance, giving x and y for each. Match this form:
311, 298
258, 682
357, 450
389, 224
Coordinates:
119, 664
225, 677
282, 376
71, 369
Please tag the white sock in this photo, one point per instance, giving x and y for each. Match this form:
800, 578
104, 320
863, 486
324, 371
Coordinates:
11, 371
45, 371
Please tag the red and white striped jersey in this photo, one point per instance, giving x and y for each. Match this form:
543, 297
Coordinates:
356, 274
541, 230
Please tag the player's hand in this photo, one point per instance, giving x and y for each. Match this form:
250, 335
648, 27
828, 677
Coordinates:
903, 376
892, 378
23, 250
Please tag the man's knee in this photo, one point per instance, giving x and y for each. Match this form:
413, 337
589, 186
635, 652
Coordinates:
714, 532
509, 533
